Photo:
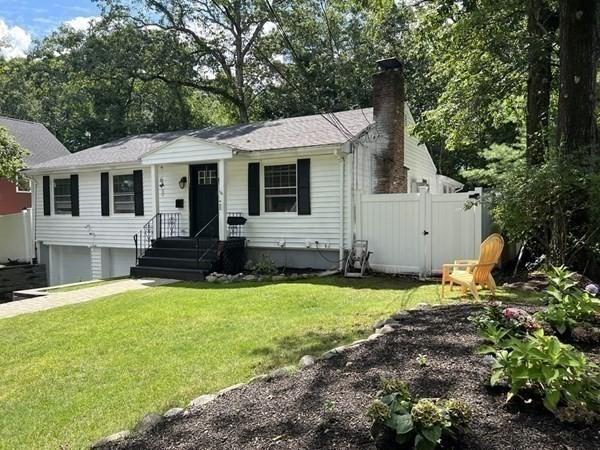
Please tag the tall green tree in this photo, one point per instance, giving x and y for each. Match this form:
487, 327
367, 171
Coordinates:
322, 54
216, 40
85, 87
11, 156
473, 60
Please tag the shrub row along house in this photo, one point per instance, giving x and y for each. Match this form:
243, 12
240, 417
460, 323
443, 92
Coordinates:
174, 195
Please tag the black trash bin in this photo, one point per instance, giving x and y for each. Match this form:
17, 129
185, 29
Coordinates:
233, 255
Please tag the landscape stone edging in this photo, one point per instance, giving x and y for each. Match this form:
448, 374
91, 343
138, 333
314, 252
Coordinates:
150, 421
216, 277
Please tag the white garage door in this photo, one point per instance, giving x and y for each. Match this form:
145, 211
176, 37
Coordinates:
121, 260
69, 264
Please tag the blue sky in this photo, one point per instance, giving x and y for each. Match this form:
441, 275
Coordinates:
22, 21
38, 17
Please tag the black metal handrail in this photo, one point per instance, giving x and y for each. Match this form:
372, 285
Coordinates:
197, 238
159, 226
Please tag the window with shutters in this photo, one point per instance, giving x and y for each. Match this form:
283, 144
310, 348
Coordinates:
123, 195
280, 188
62, 196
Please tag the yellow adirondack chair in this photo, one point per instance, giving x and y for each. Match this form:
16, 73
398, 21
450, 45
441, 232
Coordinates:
474, 273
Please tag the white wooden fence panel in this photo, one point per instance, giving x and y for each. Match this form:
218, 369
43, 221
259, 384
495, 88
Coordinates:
390, 223
455, 232
15, 237
417, 233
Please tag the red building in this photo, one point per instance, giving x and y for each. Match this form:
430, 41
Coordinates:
41, 145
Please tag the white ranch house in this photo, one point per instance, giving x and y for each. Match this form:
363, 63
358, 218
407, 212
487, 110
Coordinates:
300, 183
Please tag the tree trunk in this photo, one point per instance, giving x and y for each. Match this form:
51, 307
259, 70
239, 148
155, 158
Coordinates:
576, 130
240, 81
541, 29
239, 62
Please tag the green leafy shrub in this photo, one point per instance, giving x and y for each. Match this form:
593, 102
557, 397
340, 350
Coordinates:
265, 265
400, 421
568, 305
561, 375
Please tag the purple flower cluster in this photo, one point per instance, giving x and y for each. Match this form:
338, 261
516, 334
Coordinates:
520, 318
592, 289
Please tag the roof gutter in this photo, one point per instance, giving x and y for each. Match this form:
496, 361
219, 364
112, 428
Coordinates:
84, 168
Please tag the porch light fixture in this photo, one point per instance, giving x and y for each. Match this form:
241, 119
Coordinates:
182, 182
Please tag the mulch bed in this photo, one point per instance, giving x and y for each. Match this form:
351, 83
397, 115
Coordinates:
323, 407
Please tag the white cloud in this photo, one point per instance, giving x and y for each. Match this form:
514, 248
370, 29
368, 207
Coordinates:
14, 41
81, 23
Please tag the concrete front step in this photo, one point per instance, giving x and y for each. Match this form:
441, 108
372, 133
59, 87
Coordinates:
186, 253
176, 263
166, 272
182, 242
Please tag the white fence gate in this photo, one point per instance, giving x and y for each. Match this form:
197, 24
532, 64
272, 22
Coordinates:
417, 233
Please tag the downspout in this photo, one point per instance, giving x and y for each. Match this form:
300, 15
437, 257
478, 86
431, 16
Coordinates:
34, 188
340, 156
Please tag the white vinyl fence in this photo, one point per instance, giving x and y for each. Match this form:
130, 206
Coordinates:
15, 237
417, 233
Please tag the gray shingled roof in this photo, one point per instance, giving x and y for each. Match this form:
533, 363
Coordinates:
295, 132
35, 137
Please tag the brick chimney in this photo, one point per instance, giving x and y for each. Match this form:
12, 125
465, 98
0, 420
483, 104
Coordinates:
388, 112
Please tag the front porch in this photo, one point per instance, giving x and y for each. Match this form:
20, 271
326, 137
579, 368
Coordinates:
189, 210
188, 177
162, 250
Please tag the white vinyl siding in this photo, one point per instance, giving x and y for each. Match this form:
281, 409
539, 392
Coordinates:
268, 229
188, 150
90, 227
416, 157
171, 174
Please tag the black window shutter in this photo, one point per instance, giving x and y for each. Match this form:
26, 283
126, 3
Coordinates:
46, 186
304, 187
74, 195
104, 194
254, 189
138, 192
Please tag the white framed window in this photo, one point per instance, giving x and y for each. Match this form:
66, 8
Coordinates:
207, 176
62, 195
123, 195
280, 188
23, 184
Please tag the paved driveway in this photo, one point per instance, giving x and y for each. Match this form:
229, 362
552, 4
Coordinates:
54, 300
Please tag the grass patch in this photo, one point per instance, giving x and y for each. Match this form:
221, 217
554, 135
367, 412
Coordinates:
74, 374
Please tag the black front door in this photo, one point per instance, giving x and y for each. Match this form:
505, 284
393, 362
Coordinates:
204, 200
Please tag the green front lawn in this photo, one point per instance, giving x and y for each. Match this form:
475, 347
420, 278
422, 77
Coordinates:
74, 374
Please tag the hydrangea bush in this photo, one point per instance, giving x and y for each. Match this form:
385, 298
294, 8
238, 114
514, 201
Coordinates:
536, 364
401, 421
570, 307
498, 322
562, 376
